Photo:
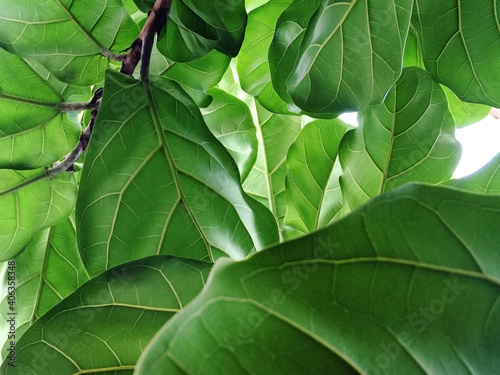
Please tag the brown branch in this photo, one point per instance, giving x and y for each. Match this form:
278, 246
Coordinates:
142, 46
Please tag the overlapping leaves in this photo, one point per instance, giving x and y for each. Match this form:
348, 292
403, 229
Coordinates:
328, 56
34, 130
165, 184
29, 209
106, 323
197, 27
460, 42
72, 39
410, 137
320, 304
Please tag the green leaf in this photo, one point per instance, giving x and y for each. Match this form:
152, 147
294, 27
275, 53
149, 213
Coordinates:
368, 295
230, 120
34, 132
461, 46
166, 185
313, 192
266, 181
332, 56
29, 209
47, 271
253, 66
410, 137
484, 181
465, 113
104, 326
196, 27
70, 38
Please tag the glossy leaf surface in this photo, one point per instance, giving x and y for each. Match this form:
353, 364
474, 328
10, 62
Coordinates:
27, 210
461, 45
166, 185
47, 271
266, 181
332, 56
274, 306
410, 137
313, 192
196, 27
34, 132
105, 325
253, 65
230, 120
70, 38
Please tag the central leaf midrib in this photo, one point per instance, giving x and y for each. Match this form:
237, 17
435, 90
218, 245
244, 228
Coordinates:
164, 144
80, 26
18, 99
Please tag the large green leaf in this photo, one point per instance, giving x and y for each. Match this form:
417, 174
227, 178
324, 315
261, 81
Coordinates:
230, 120
104, 326
164, 182
410, 137
461, 45
253, 65
313, 192
72, 39
329, 56
47, 271
29, 209
484, 181
463, 113
368, 295
266, 181
196, 27
34, 132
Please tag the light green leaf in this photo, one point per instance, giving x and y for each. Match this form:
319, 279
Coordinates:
253, 65
390, 307
330, 56
266, 181
104, 326
484, 181
25, 210
313, 192
196, 27
47, 271
465, 113
230, 120
461, 46
410, 137
72, 39
166, 185
34, 131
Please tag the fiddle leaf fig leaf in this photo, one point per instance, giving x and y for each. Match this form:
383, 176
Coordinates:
28, 209
331, 57
166, 184
266, 181
369, 294
313, 192
382, 153
461, 46
72, 39
48, 270
196, 27
230, 120
106, 323
34, 130
253, 65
